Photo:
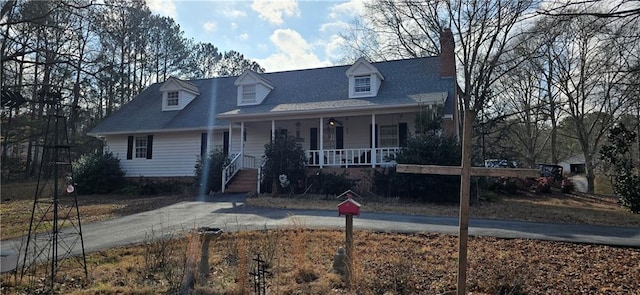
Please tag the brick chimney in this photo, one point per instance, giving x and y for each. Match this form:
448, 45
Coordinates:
447, 54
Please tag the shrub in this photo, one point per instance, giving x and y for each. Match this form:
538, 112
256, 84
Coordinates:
284, 156
98, 174
330, 183
508, 185
209, 171
543, 186
427, 149
567, 186
626, 181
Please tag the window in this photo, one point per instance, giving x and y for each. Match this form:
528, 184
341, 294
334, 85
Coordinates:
388, 136
248, 93
141, 147
172, 98
363, 84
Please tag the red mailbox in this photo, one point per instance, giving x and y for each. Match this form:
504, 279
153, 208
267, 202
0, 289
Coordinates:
349, 207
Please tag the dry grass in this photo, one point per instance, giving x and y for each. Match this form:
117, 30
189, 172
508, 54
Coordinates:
561, 208
385, 262
17, 203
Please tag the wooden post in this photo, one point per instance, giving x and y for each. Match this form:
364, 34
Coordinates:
349, 245
465, 187
465, 171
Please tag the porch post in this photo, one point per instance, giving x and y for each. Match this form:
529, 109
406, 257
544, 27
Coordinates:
230, 138
321, 155
273, 129
373, 140
242, 144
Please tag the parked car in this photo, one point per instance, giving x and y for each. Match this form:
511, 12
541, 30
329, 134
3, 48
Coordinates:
551, 170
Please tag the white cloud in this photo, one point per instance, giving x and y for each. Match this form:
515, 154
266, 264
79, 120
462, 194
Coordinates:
209, 26
348, 9
234, 13
163, 7
234, 25
333, 48
292, 53
243, 37
273, 11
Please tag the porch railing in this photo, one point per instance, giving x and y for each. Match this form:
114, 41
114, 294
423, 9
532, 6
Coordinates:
236, 165
352, 157
230, 170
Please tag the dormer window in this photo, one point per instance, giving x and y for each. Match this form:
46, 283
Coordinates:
177, 94
249, 93
172, 98
252, 88
362, 84
364, 79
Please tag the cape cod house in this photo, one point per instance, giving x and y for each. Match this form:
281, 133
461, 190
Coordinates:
343, 116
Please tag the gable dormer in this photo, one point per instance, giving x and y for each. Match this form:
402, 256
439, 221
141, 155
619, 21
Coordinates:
177, 94
364, 79
252, 89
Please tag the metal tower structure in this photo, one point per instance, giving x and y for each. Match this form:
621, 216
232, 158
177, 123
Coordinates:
55, 233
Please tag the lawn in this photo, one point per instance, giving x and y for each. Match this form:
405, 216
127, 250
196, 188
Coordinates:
300, 262
300, 259
554, 207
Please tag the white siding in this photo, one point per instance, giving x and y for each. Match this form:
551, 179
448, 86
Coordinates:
174, 154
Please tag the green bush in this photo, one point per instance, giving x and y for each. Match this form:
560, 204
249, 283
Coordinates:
98, 174
284, 156
625, 178
427, 149
330, 183
209, 171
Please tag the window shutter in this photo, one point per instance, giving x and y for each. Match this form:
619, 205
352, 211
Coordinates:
402, 134
313, 138
149, 146
371, 139
129, 147
225, 143
339, 137
203, 144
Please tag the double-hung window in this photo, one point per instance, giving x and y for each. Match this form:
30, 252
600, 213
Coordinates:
248, 93
388, 136
172, 98
141, 147
362, 84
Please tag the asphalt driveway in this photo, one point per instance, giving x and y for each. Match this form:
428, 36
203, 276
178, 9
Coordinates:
230, 213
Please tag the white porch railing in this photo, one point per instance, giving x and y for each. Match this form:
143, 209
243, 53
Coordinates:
236, 165
352, 157
231, 170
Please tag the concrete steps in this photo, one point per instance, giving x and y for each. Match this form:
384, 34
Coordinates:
246, 180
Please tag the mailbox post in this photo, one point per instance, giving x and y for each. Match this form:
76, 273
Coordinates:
349, 208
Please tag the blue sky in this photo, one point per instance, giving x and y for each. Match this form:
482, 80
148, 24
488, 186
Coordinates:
279, 35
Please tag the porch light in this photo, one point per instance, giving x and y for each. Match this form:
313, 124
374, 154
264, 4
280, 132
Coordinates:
333, 122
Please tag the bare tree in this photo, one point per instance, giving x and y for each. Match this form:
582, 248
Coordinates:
592, 77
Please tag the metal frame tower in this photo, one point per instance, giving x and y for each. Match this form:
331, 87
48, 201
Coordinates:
55, 230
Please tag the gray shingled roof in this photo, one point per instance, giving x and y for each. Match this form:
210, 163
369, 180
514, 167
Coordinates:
322, 89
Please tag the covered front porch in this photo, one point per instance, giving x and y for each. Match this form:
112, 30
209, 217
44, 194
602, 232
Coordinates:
354, 140
346, 140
